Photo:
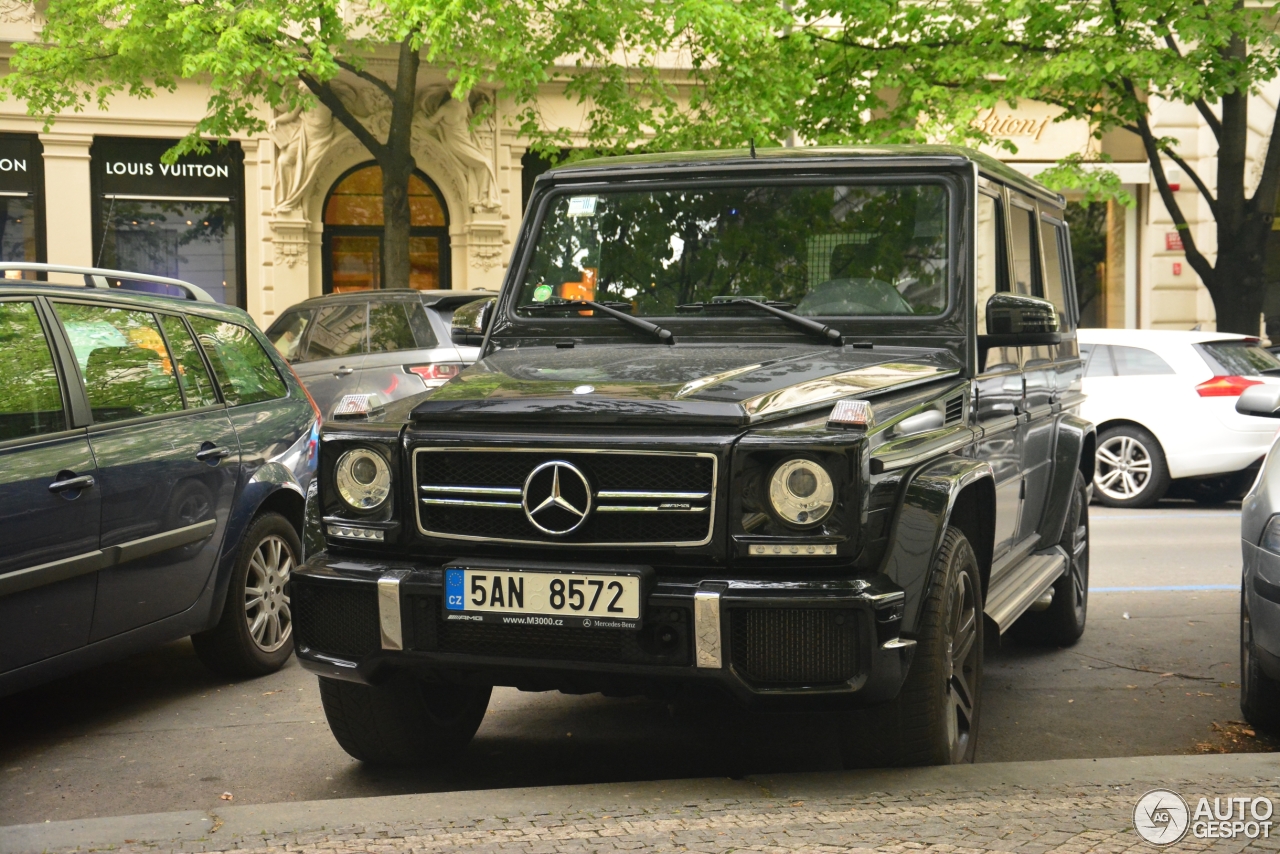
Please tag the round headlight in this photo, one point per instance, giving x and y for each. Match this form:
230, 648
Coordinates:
801, 492
363, 479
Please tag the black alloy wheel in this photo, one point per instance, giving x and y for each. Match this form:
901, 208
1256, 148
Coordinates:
934, 719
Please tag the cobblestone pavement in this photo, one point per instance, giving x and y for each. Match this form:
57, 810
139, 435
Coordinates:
1022, 815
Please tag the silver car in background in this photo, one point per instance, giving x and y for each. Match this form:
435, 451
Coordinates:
391, 343
1260, 587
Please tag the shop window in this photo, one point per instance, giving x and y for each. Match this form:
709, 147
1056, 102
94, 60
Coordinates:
183, 220
21, 200
353, 235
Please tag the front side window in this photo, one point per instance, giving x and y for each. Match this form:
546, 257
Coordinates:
992, 270
30, 398
1138, 362
1052, 238
1026, 267
1098, 360
286, 333
836, 250
339, 331
127, 370
244, 370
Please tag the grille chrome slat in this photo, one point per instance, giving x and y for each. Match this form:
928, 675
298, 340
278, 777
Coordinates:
464, 502
646, 508
471, 490
673, 503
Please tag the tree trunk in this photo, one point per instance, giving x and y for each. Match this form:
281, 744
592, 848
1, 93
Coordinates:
1238, 284
396, 221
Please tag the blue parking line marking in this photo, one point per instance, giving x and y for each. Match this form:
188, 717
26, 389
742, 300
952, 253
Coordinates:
1173, 587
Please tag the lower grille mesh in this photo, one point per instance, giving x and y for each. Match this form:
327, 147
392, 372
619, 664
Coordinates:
337, 619
794, 646
657, 643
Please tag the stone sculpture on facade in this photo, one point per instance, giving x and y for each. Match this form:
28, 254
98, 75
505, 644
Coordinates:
451, 125
302, 137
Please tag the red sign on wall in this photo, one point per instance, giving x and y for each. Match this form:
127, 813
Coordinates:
1173, 241
1177, 268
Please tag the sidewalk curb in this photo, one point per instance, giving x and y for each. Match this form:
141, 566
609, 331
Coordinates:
240, 823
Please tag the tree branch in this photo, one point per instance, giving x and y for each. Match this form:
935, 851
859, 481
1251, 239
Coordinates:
1209, 118
1191, 173
325, 95
377, 81
1194, 257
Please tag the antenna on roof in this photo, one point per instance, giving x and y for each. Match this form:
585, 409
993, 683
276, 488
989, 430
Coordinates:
753, 148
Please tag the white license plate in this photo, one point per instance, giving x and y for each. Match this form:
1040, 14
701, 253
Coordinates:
542, 598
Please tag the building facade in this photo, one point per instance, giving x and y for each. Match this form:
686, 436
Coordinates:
270, 219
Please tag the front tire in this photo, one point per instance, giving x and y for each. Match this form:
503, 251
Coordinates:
403, 721
254, 636
1062, 623
1259, 693
934, 719
1131, 470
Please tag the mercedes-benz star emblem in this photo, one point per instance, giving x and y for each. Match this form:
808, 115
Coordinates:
556, 498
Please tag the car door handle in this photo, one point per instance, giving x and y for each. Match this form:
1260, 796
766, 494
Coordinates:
344, 371
204, 455
84, 481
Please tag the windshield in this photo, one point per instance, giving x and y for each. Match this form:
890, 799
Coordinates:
833, 250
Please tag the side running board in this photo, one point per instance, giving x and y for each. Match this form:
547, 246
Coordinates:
1020, 586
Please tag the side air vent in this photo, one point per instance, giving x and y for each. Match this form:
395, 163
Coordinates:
955, 410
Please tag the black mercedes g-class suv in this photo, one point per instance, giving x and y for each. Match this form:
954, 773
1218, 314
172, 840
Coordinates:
799, 425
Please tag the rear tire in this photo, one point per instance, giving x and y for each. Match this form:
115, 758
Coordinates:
1259, 693
1131, 470
1062, 623
254, 636
934, 719
404, 721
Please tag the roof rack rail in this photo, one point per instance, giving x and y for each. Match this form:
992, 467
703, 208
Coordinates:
97, 277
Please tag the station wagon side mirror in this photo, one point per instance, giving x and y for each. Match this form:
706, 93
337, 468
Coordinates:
1017, 320
1261, 400
471, 321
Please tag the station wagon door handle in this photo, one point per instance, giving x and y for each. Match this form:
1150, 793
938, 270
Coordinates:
84, 481
205, 455
344, 371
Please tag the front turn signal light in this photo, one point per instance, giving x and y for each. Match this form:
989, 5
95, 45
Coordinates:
1225, 386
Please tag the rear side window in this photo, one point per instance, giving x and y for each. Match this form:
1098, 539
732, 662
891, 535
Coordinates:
126, 367
30, 398
286, 333
1138, 362
244, 370
197, 385
338, 331
1239, 358
1026, 267
1051, 238
389, 327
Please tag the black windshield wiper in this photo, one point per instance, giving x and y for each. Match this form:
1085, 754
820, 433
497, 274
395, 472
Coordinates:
813, 327
663, 335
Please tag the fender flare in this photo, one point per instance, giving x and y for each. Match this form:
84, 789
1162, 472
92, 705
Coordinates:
269, 480
1073, 438
921, 521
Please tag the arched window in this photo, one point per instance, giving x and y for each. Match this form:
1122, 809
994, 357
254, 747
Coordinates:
353, 234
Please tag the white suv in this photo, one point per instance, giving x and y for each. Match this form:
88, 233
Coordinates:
1164, 404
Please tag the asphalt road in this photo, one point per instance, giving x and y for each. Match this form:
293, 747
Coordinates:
1154, 674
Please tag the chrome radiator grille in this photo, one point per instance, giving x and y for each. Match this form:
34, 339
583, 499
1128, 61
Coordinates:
606, 497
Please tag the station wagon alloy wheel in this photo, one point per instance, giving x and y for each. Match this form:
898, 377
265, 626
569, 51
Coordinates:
1124, 468
266, 605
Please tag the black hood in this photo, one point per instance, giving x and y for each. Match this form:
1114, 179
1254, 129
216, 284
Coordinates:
688, 384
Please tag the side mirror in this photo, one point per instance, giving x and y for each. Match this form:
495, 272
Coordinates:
1260, 400
471, 321
1016, 320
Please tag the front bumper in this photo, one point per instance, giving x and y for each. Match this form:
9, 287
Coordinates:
1262, 598
829, 639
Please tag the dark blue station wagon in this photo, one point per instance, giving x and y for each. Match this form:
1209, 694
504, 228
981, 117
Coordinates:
155, 455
